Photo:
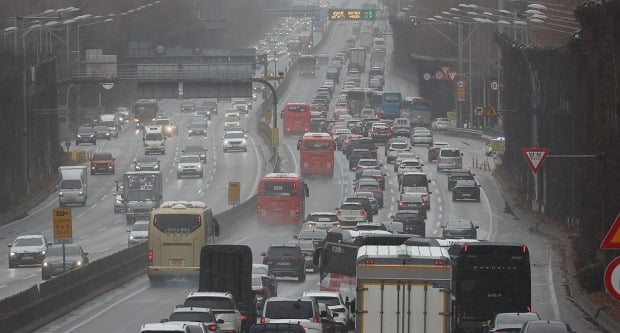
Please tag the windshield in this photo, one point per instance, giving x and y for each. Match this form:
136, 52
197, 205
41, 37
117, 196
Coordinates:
219, 303
28, 242
329, 301
317, 145
140, 227
177, 222
450, 153
153, 137
190, 159
140, 195
289, 310
85, 131
234, 135
399, 145
71, 184
368, 163
203, 317
56, 251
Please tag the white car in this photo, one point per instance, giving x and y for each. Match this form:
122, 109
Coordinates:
138, 233
351, 213
441, 124
322, 220
421, 137
27, 249
334, 302
223, 306
409, 165
229, 124
189, 165
235, 140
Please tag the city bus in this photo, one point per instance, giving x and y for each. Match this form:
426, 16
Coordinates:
390, 105
281, 198
177, 232
296, 118
307, 64
337, 258
490, 278
418, 110
145, 111
316, 154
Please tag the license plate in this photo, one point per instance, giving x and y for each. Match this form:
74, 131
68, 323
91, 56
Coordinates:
284, 264
466, 194
176, 262
27, 257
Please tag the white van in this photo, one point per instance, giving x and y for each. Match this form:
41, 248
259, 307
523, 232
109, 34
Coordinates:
154, 139
112, 122
368, 114
449, 158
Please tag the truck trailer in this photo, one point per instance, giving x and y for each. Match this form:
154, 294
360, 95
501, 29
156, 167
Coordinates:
403, 288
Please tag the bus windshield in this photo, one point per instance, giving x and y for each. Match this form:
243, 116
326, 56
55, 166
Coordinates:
317, 146
278, 188
177, 222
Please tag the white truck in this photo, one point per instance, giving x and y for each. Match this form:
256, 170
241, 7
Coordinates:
73, 185
403, 288
357, 59
366, 38
154, 139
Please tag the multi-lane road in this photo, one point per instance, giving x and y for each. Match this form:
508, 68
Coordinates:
101, 232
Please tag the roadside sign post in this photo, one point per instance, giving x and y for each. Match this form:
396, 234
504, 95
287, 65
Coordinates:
478, 110
63, 230
612, 279
234, 193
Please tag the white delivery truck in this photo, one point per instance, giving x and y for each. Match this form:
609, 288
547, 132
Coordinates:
403, 288
154, 139
73, 185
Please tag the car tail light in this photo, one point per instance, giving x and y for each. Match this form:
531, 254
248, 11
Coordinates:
212, 328
315, 319
263, 320
260, 291
244, 316
295, 258
401, 204
149, 256
362, 213
369, 261
339, 213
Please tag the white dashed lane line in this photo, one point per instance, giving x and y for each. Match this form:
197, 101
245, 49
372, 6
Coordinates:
103, 197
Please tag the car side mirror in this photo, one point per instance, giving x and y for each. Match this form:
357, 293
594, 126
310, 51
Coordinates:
85, 253
263, 254
128, 229
477, 227
298, 144
163, 320
391, 216
323, 313
295, 237
336, 208
429, 181
48, 244
443, 227
178, 306
429, 192
10, 245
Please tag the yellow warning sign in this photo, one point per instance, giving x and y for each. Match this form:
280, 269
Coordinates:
460, 94
234, 193
490, 111
275, 137
63, 226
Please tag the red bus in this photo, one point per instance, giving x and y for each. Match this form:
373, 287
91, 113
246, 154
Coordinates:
297, 118
316, 154
281, 198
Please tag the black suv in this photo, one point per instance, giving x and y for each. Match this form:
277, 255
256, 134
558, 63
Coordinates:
456, 175
412, 220
85, 134
365, 143
357, 155
286, 260
466, 189
459, 229
365, 202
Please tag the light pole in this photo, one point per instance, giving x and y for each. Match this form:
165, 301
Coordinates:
79, 58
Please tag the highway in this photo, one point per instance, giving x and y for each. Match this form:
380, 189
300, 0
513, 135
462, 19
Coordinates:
136, 302
101, 232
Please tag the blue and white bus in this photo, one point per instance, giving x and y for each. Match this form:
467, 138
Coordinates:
391, 105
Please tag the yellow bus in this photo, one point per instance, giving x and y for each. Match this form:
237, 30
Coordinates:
177, 232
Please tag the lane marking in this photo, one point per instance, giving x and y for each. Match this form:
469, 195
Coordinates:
106, 309
28, 276
93, 206
103, 197
80, 215
84, 236
4, 285
554, 297
102, 229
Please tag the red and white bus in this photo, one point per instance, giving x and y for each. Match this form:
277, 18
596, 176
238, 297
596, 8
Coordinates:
281, 198
316, 154
296, 118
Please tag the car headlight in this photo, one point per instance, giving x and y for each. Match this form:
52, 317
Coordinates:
60, 194
107, 133
199, 166
12, 254
92, 135
180, 167
79, 136
156, 167
45, 264
43, 252
78, 263
131, 237
190, 131
243, 142
137, 167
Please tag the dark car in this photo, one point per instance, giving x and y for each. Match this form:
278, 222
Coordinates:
211, 106
545, 326
74, 258
203, 111
377, 175
511, 322
365, 143
286, 260
146, 163
357, 155
458, 174
308, 249
196, 150
188, 107
413, 201
315, 235
466, 189
262, 289
316, 124
366, 204
370, 185
197, 127
460, 228
85, 134
102, 163
272, 281
412, 220
381, 134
